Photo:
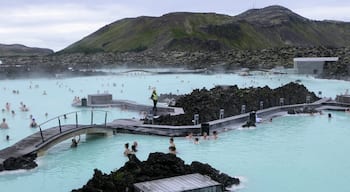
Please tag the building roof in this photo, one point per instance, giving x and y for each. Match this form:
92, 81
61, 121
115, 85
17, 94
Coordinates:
179, 183
100, 94
308, 59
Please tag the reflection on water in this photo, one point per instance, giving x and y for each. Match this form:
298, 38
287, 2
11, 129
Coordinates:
293, 153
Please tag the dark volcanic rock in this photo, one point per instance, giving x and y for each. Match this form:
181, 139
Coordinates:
206, 169
13, 163
157, 166
100, 182
207, 103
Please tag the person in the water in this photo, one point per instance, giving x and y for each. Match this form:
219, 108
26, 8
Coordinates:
4, 124
75, 142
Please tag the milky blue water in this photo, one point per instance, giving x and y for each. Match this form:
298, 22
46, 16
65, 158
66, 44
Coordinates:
292, 153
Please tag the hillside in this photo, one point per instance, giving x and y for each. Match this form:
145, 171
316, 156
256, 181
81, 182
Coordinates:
273, 26
277, 26
21, 50
141, 33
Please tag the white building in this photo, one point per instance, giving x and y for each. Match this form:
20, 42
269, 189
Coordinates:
312, 65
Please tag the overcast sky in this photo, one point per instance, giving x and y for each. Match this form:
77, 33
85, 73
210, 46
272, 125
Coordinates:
55, 24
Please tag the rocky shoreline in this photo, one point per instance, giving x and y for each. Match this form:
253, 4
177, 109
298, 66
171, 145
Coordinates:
157, 166
26, 162
207, 103
217, 61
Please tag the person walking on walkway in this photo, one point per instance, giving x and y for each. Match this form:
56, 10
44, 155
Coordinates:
154, 98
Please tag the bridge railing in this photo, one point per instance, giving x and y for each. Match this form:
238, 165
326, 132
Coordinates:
75, 119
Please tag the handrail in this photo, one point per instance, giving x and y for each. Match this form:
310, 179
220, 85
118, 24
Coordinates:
76, 120
70, 113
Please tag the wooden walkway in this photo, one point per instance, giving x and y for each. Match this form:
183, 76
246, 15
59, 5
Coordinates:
41, 141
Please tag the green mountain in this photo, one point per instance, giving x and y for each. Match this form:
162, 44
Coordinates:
21, 50
273, 26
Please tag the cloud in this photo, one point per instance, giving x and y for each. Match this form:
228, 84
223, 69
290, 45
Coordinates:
56, 25
340, 13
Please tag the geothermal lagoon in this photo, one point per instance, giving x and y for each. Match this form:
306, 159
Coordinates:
291, 153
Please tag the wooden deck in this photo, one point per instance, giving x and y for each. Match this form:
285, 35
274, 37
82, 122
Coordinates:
133, 106
191, 182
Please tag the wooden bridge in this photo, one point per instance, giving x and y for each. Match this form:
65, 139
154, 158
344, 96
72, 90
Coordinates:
42, 140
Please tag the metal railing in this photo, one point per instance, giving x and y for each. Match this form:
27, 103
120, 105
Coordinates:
66, 115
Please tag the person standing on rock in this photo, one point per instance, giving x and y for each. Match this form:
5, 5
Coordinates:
154, 98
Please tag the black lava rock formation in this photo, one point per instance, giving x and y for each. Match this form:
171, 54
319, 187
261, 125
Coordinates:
25, 162
157, 166
207, 103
